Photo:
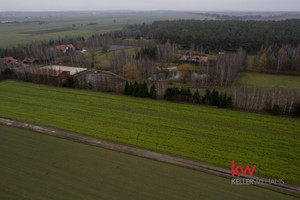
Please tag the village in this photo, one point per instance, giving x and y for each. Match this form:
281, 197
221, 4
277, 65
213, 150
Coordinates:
105, 80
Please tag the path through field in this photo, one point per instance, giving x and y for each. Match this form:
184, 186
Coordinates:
136, 152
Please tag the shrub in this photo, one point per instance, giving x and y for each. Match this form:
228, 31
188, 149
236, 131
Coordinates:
70, 82
196, 96
7, 73
275, 109
152, 93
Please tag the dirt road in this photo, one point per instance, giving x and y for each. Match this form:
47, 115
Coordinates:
138, 152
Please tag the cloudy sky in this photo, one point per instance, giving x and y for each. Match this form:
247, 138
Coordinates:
195, 5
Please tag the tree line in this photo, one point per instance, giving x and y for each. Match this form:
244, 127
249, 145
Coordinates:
212, 98
217, 35
277, 59
142, 65
220, 72
140, 90
275, 101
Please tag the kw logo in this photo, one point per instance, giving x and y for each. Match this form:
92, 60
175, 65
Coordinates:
244, 172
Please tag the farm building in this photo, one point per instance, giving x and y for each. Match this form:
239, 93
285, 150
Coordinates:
71, 70
9, 60
42, 76
101, 81
64, 48
30, 61
118, 47
165, 74
194, 59
45, 71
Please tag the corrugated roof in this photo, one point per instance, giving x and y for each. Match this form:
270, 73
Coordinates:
64, 47
194, 58
9, 60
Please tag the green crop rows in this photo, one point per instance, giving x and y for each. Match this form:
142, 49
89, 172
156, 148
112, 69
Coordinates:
210, 135
35, 166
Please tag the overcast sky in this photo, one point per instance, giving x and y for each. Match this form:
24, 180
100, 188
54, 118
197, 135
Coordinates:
195, 5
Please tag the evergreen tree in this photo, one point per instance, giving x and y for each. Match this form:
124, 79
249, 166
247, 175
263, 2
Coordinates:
172, 94
144, 90
130, 89
176, 93
139, 90
70, 82
222, 102
196, 97
182, 95
153, 92
126, 90
188, 94
275, 109
297, 110
214, 98
168, 94
135, 89
7, 73
226, 101
206, 97
229, 102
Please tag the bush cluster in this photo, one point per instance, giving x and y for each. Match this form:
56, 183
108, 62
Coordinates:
282, 110
209, 98
139, 90
213, 98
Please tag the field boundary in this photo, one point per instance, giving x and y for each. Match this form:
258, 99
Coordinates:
139, 152
56, 30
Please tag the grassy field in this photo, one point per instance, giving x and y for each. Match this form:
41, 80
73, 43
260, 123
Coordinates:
35, 166
12, 34
103, 59
210, 135
268, 81
86, 24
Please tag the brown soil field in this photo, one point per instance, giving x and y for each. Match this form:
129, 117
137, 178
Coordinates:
49, 31
102, 28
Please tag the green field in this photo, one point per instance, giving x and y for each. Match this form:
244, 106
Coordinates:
103, 59
12, 34
211, 135
86, 24
35, 166
268, 81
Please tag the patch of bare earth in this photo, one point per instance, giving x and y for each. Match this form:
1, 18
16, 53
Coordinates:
49, 31
103, 28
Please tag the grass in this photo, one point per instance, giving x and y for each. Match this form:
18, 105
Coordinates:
33, 167
104, 59
210, 135
12, 35
268, 81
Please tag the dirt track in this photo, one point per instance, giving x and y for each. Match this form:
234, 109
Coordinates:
49, 31
103, 28
137, 152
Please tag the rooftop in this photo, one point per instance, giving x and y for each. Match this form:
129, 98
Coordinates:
72, 70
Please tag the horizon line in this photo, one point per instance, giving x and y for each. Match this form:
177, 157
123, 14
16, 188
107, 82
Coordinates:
128, 10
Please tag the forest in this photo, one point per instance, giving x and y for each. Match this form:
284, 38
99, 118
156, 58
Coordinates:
214, 35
